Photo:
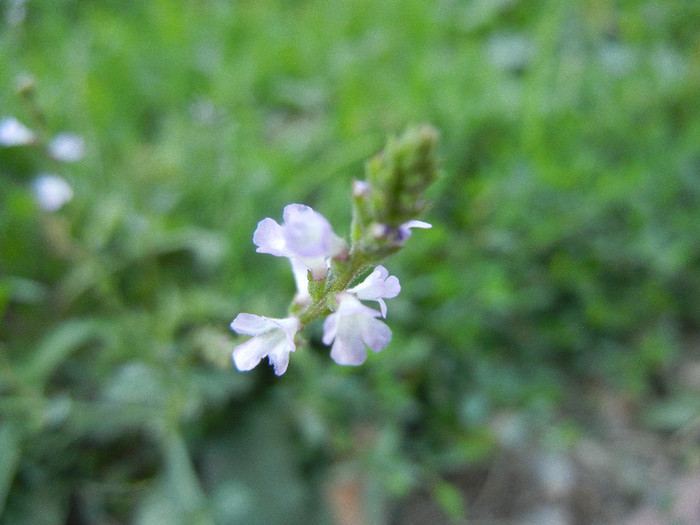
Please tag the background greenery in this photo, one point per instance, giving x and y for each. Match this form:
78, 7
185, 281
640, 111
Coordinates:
564, 257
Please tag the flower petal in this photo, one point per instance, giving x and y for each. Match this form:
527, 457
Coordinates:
250, 324
382, 307
273, 338
378, 285
392, 287
350, 328
350, 305
269, 238
293, 210
305, 235
246, 356
308, 233
330, 328
372, 287
348, 348
290, 325
405, 228
375, 334
279, 358
301, 278
417, 224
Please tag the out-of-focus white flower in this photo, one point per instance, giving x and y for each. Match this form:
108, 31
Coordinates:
360, 188
67, 147
14, 133
16, 12
51, 191
378, 285
305, 235
510, 51
273, 338
350, 328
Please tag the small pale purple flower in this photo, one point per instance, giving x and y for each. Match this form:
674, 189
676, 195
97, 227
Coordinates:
51, 191
352, 327
305, 235
14, 133
378, 285
273, 338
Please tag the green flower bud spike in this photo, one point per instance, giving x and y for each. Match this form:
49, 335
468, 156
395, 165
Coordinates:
393, 195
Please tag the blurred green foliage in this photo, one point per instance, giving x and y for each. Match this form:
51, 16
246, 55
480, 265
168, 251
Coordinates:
565, 250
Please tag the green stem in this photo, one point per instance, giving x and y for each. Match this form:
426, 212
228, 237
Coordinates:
339, 278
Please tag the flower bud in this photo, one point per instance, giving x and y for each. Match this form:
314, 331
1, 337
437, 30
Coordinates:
386, 205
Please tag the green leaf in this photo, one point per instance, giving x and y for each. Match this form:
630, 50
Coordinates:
673, 414
10, 453
59, 344
182, 482
449, 498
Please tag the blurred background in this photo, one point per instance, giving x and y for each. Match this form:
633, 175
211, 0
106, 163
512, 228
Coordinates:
545, 365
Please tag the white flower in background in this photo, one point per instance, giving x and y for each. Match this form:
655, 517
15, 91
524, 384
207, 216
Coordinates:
67, 147
305, 235
378, 285
273, 338
16, 12
350, 328
360, 188
14, 133
51, 191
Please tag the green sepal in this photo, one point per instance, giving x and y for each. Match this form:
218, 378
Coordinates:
316, 288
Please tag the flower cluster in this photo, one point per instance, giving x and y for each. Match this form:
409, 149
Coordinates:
325, 267
308, 240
